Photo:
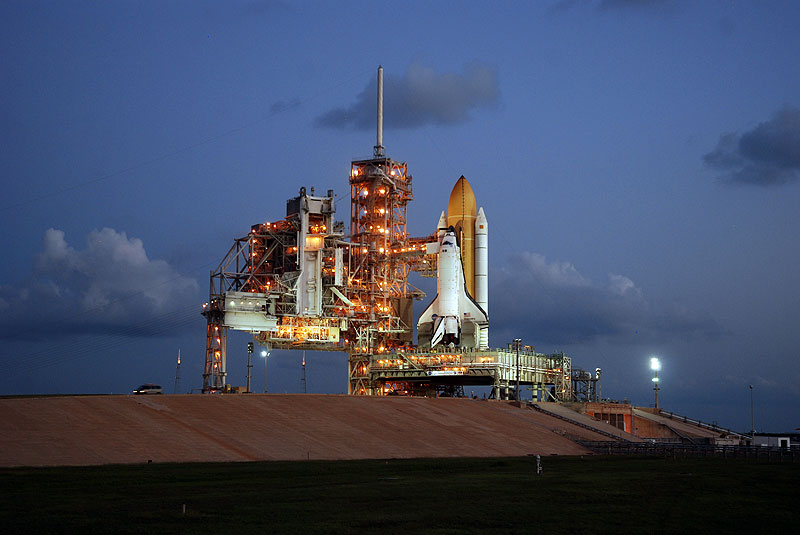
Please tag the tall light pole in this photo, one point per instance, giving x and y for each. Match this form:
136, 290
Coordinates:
265, 354
752, 419
305, 388
655, 365
177, 386
517, 344
249, 363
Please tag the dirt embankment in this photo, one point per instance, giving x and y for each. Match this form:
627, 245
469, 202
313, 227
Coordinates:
91, 430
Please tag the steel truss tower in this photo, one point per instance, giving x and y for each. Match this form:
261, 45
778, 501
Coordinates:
216, 346
271, 281
380, 190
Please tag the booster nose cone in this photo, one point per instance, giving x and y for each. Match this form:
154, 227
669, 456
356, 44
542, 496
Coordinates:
481, 224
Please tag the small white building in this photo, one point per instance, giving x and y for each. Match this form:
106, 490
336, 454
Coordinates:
777, 440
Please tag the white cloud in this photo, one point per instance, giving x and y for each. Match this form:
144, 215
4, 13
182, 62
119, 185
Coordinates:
554, 274
553, 302
111, 285
621, 285
420, 97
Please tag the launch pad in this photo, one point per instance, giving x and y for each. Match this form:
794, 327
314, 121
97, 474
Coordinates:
431, 373
301, 283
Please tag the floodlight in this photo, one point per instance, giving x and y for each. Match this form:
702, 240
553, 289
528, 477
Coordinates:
655, 365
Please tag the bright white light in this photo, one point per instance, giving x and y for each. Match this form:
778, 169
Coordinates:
655, 379
655, 364
264, 353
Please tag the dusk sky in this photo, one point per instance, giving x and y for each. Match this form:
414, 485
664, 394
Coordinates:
638, 162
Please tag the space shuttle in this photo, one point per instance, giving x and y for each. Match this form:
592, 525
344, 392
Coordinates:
458, 315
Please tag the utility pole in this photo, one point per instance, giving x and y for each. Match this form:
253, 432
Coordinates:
517, 344
249, 363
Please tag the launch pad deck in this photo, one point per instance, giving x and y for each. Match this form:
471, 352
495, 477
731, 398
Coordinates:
548, 375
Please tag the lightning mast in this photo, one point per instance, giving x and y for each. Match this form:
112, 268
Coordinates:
380, 190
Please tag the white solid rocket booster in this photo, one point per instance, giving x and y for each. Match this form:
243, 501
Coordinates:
482, 261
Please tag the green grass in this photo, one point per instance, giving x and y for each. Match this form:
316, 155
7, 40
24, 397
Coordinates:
574, 495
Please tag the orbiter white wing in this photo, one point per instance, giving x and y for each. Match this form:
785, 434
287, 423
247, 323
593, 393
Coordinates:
469, 309
427, 314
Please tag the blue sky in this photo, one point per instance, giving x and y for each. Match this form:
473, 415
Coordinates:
638, 162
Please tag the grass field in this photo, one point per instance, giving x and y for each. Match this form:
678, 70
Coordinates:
594, 494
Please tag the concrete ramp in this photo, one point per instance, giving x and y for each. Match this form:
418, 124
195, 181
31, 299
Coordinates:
684, 430
93, 430
606, 430
575, 428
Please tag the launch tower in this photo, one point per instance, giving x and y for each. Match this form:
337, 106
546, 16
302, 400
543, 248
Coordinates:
300, 283
380, 190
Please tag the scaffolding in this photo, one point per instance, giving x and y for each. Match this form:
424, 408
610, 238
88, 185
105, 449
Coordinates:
299, 283
279, 282
433, 373
585, 386
380, 253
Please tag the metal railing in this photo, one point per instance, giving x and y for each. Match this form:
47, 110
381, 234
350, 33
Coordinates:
663, 449
580, 424
699, 423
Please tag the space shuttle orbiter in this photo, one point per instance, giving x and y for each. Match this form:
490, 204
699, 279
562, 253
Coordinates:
454, 316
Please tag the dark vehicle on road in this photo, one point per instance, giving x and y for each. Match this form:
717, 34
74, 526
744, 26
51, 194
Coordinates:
149, 388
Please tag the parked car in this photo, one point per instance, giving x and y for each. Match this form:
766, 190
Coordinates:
149, 388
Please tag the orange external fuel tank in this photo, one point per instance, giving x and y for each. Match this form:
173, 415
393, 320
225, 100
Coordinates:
461, 213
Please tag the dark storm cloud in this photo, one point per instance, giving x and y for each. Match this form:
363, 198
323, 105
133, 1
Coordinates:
420, 97
767, 155
110, 287
557, 305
